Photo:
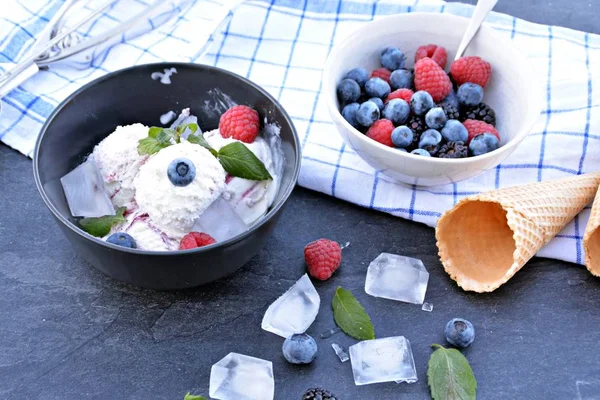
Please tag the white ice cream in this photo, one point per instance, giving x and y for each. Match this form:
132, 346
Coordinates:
118, 160
174, 209
250, 199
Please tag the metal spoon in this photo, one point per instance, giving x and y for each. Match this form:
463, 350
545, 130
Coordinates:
482, 9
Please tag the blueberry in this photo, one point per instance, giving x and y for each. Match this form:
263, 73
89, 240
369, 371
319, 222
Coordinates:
454, 131
367, 114
436, 118
420, 152
358, 75
299, 349
122, 239
402, 150
470, 94
460, 332
430, 141
181, 172
402, 136
401, 78
483, 143
421, 102
348, 91
392, 58
377, 87
397, 111
451, 99
377, 101
349, 114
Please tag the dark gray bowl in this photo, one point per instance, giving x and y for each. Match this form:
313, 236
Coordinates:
129, 96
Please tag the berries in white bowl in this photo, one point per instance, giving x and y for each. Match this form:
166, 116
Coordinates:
511, 103
420, 108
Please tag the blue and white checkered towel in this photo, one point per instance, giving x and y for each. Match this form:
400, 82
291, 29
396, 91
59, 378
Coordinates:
282, 45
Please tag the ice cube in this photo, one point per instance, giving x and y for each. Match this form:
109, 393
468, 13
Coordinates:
85, 192
397, 278
167, 117
427, 307
220, 221
330, 332
383, 360
240, 377
294, 311
340, 352
186, 118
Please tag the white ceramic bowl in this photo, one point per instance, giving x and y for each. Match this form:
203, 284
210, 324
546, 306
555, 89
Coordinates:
514, 92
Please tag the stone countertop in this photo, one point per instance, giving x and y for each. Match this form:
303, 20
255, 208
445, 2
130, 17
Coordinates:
69, 332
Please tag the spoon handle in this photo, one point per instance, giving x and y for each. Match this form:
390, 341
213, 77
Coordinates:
482, 9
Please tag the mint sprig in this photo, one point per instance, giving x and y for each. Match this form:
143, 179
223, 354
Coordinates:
235, 157
450, 376
190, 396
101, 226
350, 315
241, 162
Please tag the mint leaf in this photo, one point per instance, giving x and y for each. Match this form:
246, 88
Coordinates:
190, 396
450, 376
199, 139
149, 146
350, 316
101, 226
182, 128
154, 130
239, 161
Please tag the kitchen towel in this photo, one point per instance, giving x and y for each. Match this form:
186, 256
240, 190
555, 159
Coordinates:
282, 45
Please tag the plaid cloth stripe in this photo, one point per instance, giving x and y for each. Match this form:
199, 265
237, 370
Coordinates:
282, 45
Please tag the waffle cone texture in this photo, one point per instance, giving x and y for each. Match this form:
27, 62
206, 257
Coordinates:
591, 238
485, 239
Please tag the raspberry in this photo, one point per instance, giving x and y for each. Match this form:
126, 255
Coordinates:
471, 69
381, 131
196, 239
241, 123
433, 51
475, 128
322, 257
382, 73
431, 78
404, 94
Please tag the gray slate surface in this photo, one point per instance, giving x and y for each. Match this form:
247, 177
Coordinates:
68, 332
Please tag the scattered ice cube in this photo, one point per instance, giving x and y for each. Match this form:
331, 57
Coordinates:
427, 307
397, 278
85, 192
240, 377
294, 311
220, 221
330, 332
345, 245
340, 352
383, 360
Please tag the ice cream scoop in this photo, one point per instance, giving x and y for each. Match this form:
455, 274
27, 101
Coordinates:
252, 199
118, 161
174, 209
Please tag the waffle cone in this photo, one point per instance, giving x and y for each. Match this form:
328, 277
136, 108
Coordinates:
485, 239
591, 238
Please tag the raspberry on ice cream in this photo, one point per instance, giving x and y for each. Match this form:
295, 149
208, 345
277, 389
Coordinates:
241, 123
174, 209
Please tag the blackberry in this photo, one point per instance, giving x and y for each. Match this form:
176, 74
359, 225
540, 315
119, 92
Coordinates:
481, 112
319, 394
418, 126
450, 110
453, 150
